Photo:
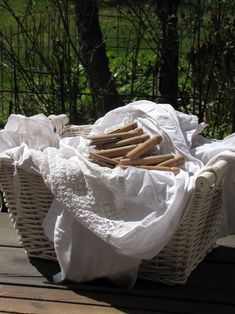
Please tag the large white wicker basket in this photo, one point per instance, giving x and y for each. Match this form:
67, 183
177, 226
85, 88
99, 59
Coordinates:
195, 238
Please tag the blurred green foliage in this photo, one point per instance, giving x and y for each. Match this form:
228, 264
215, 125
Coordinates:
130, 30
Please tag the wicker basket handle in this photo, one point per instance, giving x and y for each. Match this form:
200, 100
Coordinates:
212, 176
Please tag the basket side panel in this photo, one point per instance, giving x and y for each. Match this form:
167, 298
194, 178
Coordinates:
193, 240
7, 186
34, 200
28, 206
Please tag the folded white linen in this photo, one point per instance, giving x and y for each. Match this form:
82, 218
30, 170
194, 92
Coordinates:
35, 131
21, 133
83, 256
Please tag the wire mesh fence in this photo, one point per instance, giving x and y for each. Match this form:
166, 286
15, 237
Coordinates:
40, 69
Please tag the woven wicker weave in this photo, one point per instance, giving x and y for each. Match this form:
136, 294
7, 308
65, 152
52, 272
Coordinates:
194, 239
76, 130
35, 200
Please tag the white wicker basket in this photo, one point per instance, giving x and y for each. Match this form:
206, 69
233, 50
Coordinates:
194, 239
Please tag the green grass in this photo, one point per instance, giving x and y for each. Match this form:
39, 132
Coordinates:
123, 52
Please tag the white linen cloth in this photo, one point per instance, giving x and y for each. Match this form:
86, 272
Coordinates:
105, 221
36, 131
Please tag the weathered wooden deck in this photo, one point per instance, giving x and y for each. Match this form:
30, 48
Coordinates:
26, 286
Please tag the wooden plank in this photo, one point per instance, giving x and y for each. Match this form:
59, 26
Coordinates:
128, 303
8, 235
214, 275
222, 254
212, 282
69, 296
37, 307
187, 293
16, 263
143, 289
27, 281
17, 268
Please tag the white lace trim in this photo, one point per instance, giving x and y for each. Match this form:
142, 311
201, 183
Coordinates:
91, 203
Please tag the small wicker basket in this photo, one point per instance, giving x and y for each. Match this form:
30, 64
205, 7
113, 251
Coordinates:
194, 239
